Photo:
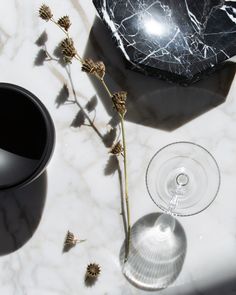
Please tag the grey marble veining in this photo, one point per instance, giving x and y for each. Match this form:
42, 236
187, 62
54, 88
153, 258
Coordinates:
81, 190
178, 40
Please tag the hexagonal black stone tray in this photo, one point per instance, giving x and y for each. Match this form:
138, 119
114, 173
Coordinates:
178, 40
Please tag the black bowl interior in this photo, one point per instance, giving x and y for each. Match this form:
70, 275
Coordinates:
24, 136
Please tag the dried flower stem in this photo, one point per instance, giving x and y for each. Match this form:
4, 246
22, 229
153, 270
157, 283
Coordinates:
55, 22
77, 56
105, 86
121, 115
91, 123
126, 185
75, 101
125, 170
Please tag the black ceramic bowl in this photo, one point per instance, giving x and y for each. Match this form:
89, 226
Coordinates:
27, 136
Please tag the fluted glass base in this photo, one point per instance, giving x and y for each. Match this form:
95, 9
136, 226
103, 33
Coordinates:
157, 252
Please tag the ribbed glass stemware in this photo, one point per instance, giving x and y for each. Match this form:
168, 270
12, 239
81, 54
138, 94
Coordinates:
182, 179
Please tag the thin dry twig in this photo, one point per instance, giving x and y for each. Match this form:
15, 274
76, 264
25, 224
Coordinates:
97, 69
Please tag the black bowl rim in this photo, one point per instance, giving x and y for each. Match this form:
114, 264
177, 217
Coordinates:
50, 140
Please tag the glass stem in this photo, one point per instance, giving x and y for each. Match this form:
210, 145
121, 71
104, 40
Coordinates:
165, 223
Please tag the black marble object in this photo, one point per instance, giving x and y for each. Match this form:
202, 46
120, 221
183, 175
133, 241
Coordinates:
178, 40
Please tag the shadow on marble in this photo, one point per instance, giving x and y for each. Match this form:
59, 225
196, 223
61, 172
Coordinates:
111, 166
42, 39
40, 58
44, 55
20, 214
152, 102
62, 96
146, 268
57, 52
225, 288
67, 248
89, 282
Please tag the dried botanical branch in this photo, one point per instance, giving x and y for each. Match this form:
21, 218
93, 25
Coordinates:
75, 100
118, 98
91, 123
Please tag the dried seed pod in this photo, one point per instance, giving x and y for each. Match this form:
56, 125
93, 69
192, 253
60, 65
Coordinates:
68, 48
93, 271
117, 149
100, 69
119, 100
64, 22
45, 12
70, 239
89, 66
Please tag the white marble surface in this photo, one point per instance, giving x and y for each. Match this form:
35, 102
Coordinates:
80, 197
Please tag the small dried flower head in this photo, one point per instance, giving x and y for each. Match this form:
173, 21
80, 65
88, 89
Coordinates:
93, 271
119, 100
96, 68
68, 49
100, 69
89, 66
64, 22
117, 149
70, 239
45, 12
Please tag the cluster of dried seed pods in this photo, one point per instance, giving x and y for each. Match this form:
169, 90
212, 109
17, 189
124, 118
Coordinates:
93, 269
